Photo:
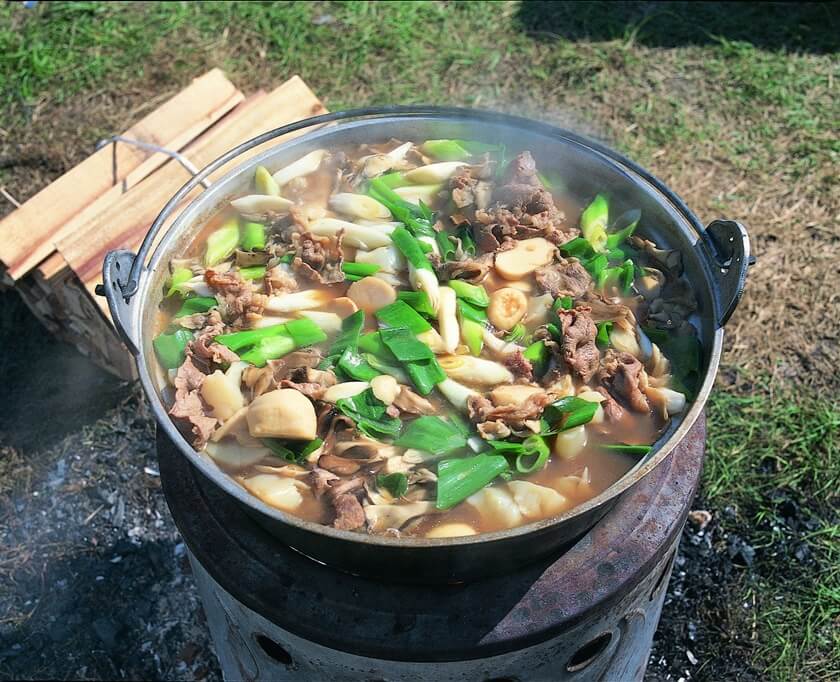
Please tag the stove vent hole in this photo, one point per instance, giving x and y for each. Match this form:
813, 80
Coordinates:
589, 652
273, 650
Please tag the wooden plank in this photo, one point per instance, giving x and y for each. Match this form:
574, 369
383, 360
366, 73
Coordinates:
124, 224
29, 234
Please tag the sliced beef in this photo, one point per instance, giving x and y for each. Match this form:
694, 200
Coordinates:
607, 309
518, 365
612, 410
280, 279
239, 304
470, 186
319, 259
621, 373
579, 350
189, 407
204, 351
320, 480
349, 513
484, 414
522, 170
408, 401
339, 465
566, 278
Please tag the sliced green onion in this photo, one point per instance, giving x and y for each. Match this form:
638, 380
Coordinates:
631, 219
469, 312
473, 335
516, 334
595, 266
372, 343
418, 300
252, 272
369, 415
552, 181
385, 367
445, 150
249, 337
348, 339
394, 180
404, 345
360, 269
253, 237
531, 454
305, 332
563, 303
593, 222
410, 247
400, 314
287, 258
537, 354
170, 348
628, 449
356, 367
432, 434
465, 235
445, 245
196, 304
179, 276
270, 348
292, 451
222, 243
471, 293
460, 478
603, 337
425, 374
396, 484
569, 412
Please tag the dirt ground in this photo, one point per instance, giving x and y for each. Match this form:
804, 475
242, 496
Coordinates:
93, 578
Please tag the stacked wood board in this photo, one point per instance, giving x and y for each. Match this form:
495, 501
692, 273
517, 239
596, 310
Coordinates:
52, 247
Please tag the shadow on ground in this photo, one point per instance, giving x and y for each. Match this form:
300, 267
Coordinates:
48, 389
792, 26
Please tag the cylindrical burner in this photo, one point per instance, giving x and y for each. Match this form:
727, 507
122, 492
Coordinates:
587, 614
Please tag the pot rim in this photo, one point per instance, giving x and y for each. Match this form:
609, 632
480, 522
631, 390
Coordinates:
221, 478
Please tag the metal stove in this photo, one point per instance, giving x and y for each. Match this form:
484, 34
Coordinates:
588, 614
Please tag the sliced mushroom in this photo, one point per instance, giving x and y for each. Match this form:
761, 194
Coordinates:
507, 307
370, 294
282, 413
525, 257
277, 491
339, 465
381, 517
513, 394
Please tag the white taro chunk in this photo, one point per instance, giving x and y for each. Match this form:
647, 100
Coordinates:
537, 501
381, 517
569, 444
385, 388
222, 395
388, 258
496, 505
476, 371
303, 166
447, 316
281, 492
365, 237
434, 173
282, 413
451, 530
346, 389
525, 257
358, 206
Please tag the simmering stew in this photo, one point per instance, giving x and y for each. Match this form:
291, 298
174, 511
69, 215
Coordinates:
428, 339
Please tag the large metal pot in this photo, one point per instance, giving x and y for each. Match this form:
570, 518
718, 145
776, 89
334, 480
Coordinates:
715, 259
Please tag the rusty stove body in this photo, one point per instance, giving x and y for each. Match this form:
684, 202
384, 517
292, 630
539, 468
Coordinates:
588, 614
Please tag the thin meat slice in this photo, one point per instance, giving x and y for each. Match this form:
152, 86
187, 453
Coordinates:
612, 410
189, 407
319, 259
579, 350
566, 278
622, 373
349, 514
500, 421
519, 366
239, 304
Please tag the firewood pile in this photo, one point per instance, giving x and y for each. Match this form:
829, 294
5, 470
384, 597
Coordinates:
53, 245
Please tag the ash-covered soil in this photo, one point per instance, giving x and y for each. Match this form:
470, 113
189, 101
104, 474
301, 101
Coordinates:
94, 579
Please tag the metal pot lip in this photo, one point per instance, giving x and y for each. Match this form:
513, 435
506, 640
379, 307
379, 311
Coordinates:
478, 116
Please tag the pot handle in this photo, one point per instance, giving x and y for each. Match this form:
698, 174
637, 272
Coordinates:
727, 246
115, 276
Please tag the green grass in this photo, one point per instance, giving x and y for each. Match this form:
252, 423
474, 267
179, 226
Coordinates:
751, 88
765, 450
